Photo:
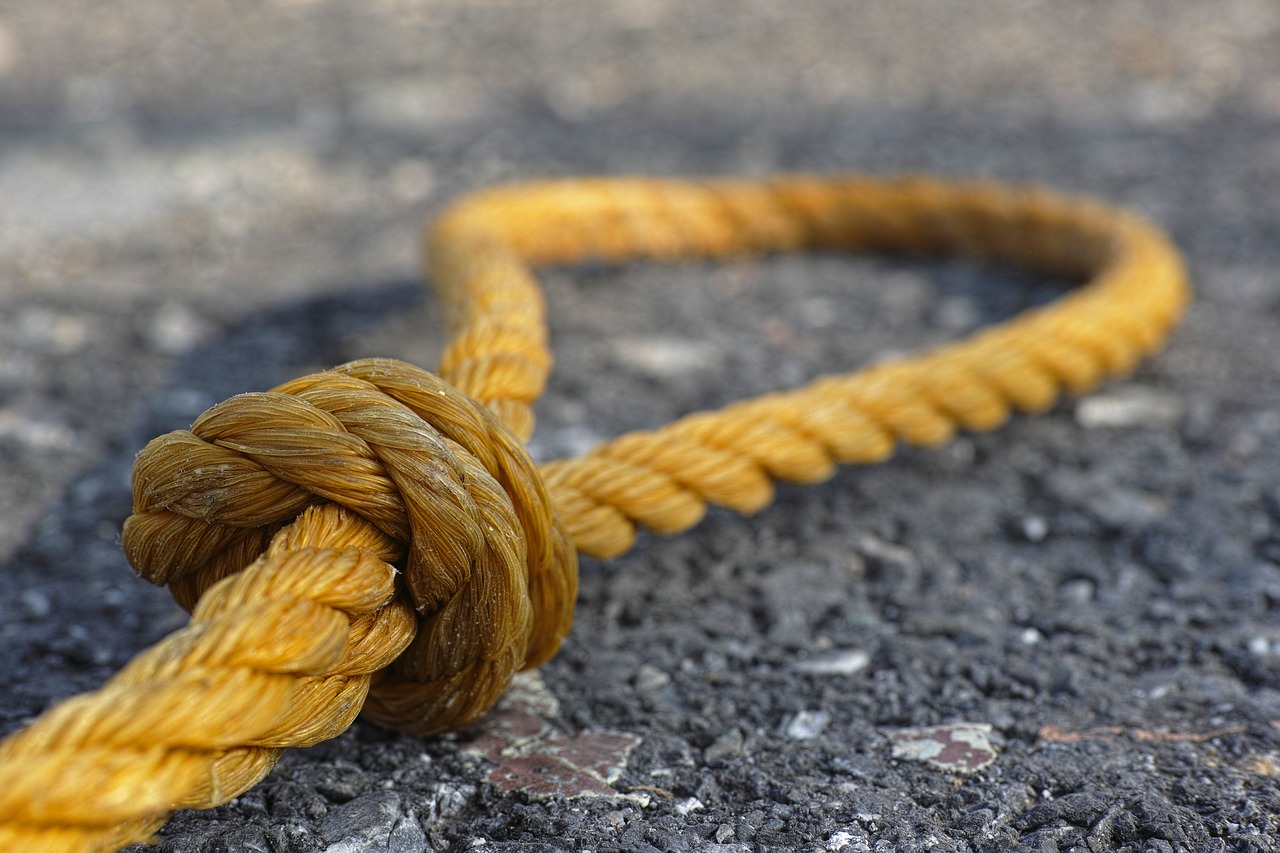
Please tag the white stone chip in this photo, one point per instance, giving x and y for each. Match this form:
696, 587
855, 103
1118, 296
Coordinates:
1129, 407
835, 662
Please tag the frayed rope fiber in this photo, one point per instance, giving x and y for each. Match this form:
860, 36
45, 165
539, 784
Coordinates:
375, 539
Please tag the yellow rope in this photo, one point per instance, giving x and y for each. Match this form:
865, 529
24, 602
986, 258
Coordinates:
376, 539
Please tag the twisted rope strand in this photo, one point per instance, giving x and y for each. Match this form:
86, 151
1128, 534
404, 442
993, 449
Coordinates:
376, 539
203, 715
664, 479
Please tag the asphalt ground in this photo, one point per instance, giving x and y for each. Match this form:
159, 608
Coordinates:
205, 198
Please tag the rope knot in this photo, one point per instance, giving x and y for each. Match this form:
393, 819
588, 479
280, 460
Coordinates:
448, 493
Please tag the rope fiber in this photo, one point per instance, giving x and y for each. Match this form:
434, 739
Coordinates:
376, 539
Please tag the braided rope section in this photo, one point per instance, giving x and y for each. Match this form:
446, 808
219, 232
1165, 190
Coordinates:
204, 714
664, 479
376, 539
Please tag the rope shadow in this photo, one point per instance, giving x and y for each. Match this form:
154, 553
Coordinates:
73, 611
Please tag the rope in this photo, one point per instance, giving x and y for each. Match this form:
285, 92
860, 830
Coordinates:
375, 539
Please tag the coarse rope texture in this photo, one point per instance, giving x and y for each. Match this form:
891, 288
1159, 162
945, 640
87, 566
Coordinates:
375, 539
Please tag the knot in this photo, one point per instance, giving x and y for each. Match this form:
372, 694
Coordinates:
443, 486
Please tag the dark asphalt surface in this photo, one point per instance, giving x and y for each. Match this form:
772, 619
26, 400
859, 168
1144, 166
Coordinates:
205, 198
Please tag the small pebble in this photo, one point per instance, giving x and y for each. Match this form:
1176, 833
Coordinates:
1262, 647
728, 745
374, 819
1129, 407
842, 840
37, 603
806, 725
1034, 528
692, 804
1030, 637
1078, 590
835, 662
175, 329
649, 678
665, 358
875, 548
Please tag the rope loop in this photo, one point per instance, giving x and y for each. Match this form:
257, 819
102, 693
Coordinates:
487, 564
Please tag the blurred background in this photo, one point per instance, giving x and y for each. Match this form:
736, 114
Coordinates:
211, 133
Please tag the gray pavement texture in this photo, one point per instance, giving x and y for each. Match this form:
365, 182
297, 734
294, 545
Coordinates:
209, 197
